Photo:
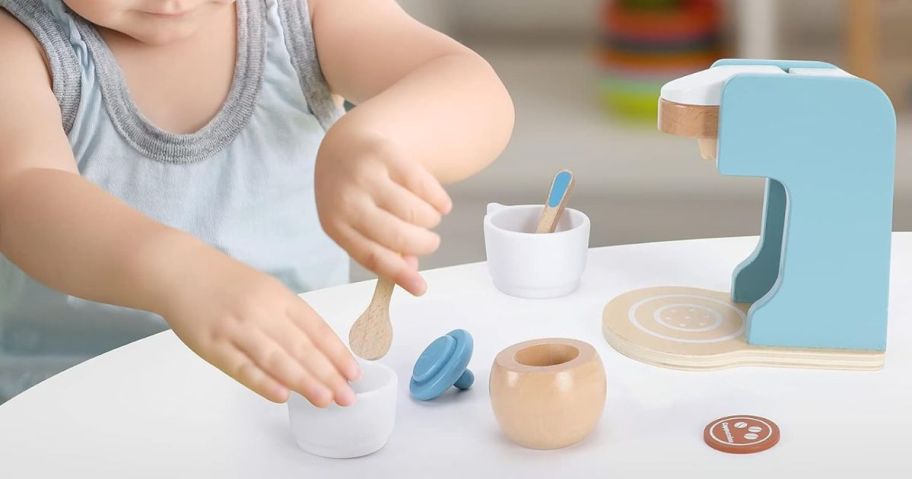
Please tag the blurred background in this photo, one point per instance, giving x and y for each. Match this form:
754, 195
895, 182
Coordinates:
585, 74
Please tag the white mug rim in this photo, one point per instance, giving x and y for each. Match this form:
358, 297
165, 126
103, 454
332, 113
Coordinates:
489, 217
389, 379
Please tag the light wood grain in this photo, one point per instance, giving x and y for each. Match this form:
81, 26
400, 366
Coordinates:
708, 148
692, 121
547, 393
550, 215
547, 222
372, 334
634, 322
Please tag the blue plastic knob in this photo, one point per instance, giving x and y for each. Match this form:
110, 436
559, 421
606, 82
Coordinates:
443, 364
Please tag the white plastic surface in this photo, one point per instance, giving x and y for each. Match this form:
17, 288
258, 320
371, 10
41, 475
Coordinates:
705, 87
535, 265
354, 431
820, 72
153, 409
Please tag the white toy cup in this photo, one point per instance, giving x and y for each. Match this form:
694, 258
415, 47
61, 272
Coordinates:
535, 265
354, 431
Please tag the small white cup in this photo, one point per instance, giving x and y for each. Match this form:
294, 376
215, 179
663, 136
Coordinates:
535, 265
344, 432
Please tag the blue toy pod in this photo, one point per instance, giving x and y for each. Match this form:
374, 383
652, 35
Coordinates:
443, 364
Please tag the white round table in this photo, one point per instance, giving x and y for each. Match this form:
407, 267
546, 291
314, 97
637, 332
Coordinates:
154, 409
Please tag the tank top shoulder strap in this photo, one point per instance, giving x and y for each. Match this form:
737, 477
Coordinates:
299, 39
52, 27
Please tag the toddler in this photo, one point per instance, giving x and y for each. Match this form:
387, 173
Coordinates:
187, 164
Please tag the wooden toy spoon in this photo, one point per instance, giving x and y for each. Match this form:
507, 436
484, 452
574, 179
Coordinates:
557, 199
372, 334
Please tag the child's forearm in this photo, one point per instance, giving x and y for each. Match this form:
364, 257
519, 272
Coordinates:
434, 100
452, 114
57, 227
72, 236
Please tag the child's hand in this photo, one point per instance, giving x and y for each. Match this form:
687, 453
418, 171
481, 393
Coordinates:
379, 205
254, 329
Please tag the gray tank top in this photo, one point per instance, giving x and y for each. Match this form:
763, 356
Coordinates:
243, 183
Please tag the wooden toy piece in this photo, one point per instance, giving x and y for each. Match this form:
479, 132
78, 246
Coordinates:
547, 393
694, 121
561, 187
708, 148
689, 106
372, 334
443, 365
741, 434
691, 328
825, 141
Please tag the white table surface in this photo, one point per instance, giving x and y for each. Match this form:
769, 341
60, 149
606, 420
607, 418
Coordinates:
153, 409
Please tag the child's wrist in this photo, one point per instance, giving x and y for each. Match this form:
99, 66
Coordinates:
356, 134
161, 265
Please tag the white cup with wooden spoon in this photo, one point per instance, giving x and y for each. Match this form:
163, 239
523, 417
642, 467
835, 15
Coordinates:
527, 263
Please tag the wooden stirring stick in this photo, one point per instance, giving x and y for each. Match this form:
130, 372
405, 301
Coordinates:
372, 334
557, 199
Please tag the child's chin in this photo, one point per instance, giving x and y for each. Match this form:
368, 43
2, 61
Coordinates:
164, 35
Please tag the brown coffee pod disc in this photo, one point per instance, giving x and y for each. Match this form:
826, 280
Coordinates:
741, 434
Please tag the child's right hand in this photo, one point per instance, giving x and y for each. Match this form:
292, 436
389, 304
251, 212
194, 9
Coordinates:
253, 328
378, 204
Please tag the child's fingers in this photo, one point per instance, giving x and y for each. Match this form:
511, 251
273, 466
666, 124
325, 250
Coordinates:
381, 260
393, 233
236, 364
420, 181
300, 346
408, 206
326, 340
276, 361
324, 371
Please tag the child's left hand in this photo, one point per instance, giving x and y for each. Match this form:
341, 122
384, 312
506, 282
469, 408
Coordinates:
379, 205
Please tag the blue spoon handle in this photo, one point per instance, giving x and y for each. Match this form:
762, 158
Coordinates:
557, 199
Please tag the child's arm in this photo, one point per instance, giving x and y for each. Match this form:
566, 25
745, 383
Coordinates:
75, 237
428, 109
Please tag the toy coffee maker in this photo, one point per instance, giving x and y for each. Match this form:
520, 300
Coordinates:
814, 292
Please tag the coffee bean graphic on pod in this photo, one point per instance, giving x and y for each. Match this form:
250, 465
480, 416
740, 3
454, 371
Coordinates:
741, 434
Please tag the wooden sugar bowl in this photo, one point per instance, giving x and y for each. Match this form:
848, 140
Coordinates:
548, 393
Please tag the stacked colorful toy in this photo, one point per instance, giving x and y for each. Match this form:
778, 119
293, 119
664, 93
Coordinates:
646, 43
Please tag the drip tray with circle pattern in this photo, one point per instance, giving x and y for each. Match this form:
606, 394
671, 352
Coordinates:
691, 328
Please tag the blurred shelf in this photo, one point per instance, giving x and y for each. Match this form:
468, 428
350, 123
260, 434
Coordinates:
561, 124
635, 183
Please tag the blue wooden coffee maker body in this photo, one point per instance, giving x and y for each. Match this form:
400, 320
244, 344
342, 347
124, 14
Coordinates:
819, 277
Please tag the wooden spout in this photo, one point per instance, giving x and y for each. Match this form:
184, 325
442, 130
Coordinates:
707, 148
692, 121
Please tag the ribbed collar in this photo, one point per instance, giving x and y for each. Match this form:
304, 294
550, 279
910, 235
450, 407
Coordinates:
235, 113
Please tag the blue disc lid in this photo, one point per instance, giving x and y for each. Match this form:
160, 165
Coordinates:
441, 365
